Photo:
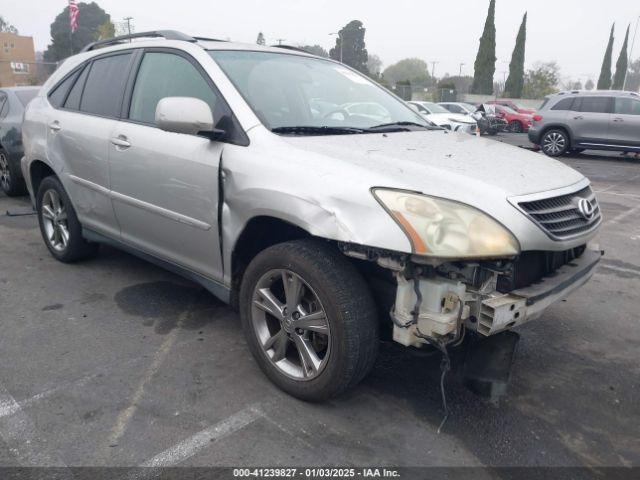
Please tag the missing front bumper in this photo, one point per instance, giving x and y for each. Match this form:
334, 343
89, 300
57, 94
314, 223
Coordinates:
503, 311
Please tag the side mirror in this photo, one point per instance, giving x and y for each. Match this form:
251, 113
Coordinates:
187, 115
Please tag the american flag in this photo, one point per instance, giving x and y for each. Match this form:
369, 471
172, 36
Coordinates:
73, 15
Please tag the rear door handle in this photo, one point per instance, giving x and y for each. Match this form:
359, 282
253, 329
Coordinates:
55, 126
579, 117
618, 119
121, 142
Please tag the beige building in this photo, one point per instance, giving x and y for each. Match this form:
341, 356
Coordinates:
17, 60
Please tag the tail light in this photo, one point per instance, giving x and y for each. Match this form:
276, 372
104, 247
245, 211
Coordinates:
537, 118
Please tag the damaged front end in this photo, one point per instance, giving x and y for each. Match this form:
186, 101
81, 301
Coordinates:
436, 302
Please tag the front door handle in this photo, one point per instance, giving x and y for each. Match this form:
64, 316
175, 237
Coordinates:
121, 142
618, 119
55, 126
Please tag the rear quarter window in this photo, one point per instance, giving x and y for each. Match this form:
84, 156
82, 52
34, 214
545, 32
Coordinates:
59, 93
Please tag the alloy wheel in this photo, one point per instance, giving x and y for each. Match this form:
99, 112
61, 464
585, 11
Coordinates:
554, 143
54, 219
291, 324
5, 173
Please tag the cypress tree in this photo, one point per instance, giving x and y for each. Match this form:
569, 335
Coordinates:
604, 82
485, 65
515, 81
622, 65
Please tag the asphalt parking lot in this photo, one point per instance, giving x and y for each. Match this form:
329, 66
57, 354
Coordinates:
117, 362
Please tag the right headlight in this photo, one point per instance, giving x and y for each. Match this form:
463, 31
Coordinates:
444, 228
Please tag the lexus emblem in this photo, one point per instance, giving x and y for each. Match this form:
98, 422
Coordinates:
586, 209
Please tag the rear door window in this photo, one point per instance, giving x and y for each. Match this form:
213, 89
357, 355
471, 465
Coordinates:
596, 105
105, 85
627, 106
564, 104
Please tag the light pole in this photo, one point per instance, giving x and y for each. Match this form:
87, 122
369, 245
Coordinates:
626, 74
340, 38
461, 65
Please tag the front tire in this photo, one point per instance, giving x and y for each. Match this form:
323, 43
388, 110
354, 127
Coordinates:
11, 181
555, 143
309, 319
59, 225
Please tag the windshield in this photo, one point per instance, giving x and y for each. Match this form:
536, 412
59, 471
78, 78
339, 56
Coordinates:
434, 107
287, 90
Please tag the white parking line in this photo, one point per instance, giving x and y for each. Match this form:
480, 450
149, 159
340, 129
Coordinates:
622, 216
626, 180
159, 357
10, 408
21, 437
194, 444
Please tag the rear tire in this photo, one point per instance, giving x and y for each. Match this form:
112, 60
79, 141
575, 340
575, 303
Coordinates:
555, 143
344, 337
516, 127
59, 225
11, 180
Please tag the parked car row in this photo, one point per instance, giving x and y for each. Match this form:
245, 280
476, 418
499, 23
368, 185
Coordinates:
444, 118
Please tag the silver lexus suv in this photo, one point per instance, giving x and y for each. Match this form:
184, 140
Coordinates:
239, 167
587, 120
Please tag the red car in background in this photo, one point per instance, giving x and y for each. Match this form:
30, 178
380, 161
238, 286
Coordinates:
518, 122
513, 106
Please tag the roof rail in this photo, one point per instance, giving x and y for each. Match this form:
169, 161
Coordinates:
166, 34
291, 47
207, 39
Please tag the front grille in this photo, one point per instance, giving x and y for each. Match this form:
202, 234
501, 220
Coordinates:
533, 266
560, 217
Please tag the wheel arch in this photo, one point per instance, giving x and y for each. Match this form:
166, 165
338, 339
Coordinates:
259, 233
38, 171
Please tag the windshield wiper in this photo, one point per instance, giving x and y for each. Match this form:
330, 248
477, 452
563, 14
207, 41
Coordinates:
313, 130
398, 127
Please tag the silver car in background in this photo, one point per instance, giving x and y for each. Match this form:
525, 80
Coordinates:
247, 169
587, 120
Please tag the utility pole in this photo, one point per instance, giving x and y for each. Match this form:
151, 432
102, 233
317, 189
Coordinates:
340, 38
280, 40
626, 74
461, 65
128, 20
433, 69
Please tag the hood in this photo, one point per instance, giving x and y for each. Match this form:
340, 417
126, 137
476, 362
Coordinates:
450, 165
